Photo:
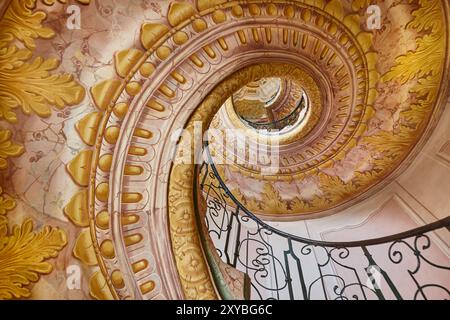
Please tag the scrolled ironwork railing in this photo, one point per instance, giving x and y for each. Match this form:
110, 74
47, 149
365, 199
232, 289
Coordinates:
285, 266
278, 125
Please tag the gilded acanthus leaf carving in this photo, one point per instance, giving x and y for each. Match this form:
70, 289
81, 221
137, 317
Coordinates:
273, 199
6, 204
390, 144
335, 189
298, 205
8, 148
21, 23
426, 59
23, 255
26, 82
23, 252
423, 64
31, 86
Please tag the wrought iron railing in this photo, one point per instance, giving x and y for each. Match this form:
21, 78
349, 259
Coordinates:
278, 125
285, 266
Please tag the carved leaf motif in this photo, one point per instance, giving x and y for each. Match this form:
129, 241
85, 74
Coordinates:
6, 204
390, 144
335, 189
427, 16
430, 48
298, 205
8, 149
23, 255
23, 252
429, 51
21, 23
31, 86
272, 199
27, 84
429, 56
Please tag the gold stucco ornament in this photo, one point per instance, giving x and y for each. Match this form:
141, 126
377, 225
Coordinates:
24, 252
8, 148
30, 83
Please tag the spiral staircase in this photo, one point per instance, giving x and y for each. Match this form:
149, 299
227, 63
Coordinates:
215, 149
